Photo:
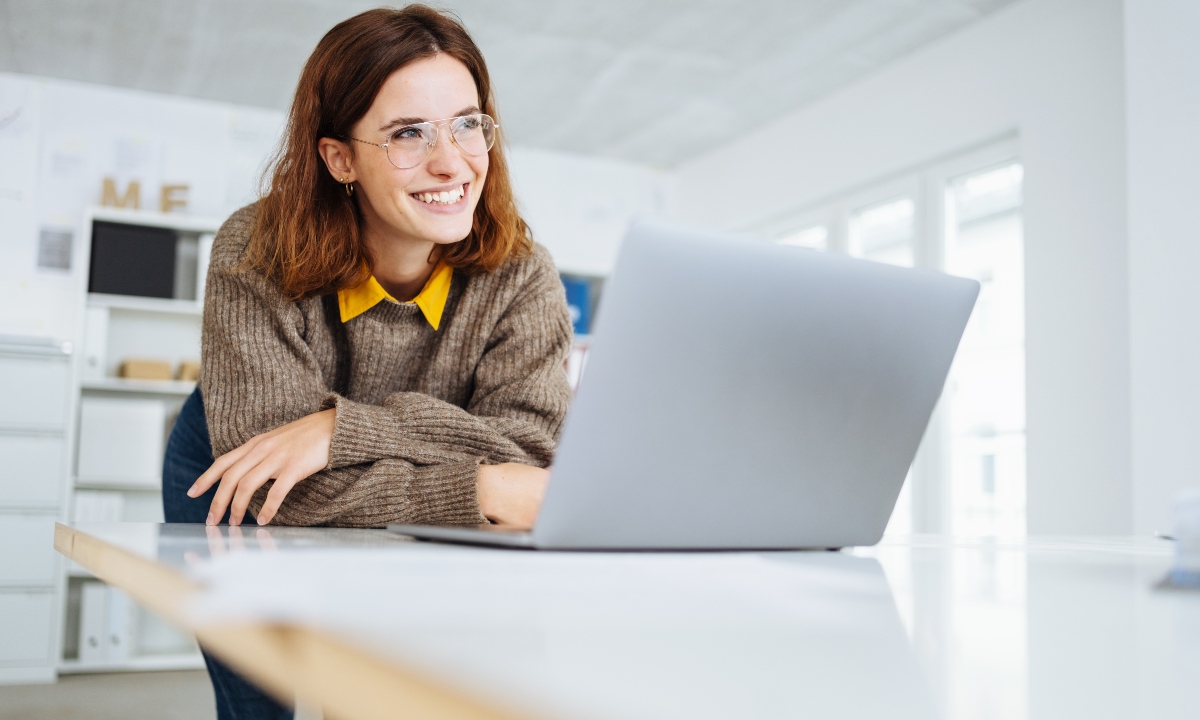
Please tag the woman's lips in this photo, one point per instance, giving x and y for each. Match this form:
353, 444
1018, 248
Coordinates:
451, 199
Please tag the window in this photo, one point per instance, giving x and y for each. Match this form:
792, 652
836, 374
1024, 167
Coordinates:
961, 216
884, 232
986, 393
815, 237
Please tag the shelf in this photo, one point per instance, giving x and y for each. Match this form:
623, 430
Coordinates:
144, 387
117, 485
146, 304
179, 661
175, 221
112, 485
46, 347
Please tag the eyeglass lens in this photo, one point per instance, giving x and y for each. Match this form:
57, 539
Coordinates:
409, 146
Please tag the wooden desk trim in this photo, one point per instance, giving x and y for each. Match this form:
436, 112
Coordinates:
286, 661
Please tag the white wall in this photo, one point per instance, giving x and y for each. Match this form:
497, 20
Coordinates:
1051, 70
66, 137
579, 206
1163, 88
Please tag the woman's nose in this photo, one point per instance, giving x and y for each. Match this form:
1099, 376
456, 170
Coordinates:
445, 158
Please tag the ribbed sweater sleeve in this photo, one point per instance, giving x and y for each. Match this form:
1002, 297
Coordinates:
515, 412
257, 370
414, 459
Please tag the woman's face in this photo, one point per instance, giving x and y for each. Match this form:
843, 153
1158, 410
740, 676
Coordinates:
395, 201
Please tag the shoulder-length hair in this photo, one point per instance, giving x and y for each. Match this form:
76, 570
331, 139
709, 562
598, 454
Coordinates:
308, 236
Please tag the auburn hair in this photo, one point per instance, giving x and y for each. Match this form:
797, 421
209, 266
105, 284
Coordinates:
308, 235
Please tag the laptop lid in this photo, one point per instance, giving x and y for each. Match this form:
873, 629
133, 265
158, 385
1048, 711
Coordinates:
741, 394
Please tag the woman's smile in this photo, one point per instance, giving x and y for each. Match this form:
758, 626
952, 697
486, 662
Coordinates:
443, 199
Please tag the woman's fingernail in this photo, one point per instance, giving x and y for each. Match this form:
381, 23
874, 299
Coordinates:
262, 519
191, 491
209, 520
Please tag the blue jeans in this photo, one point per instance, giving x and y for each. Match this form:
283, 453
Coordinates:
189, 454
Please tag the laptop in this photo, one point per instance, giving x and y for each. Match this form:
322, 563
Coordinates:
743, 395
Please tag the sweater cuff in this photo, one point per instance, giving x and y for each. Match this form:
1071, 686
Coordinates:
446, 495
355, 431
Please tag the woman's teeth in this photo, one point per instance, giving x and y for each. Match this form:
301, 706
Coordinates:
445, 197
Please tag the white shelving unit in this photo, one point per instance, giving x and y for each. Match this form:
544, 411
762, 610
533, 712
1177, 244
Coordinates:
189, 308
191, 660
121, 427
36, 406
149, 387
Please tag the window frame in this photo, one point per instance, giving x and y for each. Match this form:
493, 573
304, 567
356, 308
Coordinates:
927, 184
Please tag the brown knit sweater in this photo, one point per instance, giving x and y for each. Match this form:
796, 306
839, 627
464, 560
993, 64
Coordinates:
417, 409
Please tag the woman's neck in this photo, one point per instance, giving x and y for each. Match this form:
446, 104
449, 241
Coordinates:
402, 266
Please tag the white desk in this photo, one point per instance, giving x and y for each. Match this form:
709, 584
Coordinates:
367, 625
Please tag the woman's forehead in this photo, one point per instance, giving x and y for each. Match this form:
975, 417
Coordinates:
428, 89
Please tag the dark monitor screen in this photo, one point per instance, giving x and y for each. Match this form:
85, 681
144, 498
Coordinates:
132, 260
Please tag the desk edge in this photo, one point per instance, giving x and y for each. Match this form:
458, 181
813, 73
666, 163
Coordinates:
285, 660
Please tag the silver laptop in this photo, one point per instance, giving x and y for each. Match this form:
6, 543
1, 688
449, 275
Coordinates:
743, 395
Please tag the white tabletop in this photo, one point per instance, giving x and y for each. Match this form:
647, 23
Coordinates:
925, 627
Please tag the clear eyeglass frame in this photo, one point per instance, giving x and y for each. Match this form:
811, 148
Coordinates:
429, 133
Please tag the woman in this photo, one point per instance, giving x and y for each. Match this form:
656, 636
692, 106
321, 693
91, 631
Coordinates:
382, 341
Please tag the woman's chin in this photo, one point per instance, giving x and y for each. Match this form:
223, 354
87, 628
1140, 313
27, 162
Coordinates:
442, 229
447, 236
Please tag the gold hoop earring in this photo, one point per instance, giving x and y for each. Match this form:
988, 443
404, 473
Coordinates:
349, 189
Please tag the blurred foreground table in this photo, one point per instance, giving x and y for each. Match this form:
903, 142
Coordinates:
367, 624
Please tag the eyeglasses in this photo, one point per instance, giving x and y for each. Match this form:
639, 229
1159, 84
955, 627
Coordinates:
407, 147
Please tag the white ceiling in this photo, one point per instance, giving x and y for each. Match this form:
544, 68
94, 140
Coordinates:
653, 81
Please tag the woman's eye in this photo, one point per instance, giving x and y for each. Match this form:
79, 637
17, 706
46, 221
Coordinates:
469, 123
407, 133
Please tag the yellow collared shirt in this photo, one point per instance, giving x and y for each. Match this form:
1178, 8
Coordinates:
355, 301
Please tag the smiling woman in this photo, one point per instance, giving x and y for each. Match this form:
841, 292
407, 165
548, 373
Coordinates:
383, 341
352, 88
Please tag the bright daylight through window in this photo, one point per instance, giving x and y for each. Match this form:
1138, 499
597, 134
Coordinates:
986, 392
884, 232
980, 423
815, 237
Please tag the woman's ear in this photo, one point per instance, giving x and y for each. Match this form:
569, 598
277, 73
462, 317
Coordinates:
338, 159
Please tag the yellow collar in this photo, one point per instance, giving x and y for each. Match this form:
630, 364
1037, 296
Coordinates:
355, 301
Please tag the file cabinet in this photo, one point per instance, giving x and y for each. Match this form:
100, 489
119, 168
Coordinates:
35, 404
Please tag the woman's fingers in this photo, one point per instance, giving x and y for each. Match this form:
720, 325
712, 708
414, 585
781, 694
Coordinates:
248, 484
224, 495
294, 451
233, 477
220, 501
218, 468
283, 485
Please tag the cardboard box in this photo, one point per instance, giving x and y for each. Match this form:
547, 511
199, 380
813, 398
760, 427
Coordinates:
139, 369
188, 370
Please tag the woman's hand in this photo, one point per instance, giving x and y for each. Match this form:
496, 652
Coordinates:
288, 454
511, 493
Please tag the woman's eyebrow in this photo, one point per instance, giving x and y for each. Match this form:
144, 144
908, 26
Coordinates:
401, 121
469, 110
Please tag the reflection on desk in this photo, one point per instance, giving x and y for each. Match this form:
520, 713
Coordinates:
598, 635
924, 628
